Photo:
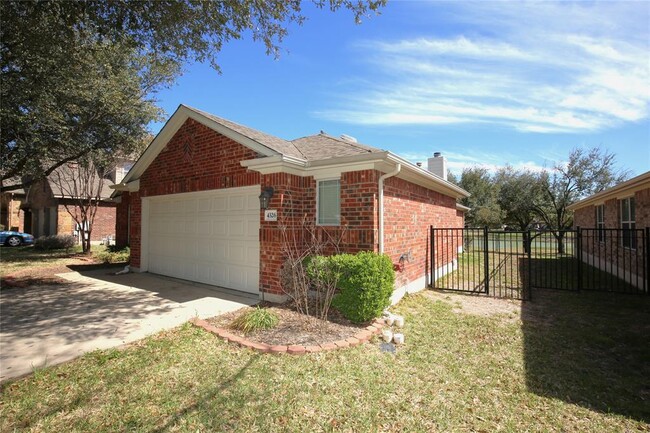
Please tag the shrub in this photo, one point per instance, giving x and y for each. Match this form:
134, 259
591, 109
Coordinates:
366, 283
55, 242
113, 254
255, 319
323, 273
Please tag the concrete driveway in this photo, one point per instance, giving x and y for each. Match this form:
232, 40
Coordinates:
50, 324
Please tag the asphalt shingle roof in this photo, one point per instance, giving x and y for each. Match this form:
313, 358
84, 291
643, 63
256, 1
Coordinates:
311, 148
323, 146
281, 146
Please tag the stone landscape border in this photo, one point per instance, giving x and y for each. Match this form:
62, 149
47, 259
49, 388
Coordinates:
359, 338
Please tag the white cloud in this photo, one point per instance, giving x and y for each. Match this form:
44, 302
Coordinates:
548, 67
457, 162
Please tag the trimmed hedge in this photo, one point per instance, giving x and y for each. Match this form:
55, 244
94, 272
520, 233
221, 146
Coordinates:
366, 283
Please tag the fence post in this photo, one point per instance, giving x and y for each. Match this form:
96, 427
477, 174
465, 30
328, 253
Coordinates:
646, 250
529, 284
486, 257
579, 256
432, 255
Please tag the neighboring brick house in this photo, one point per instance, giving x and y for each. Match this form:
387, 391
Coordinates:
41, 210
621, 218
190, 207
12, 216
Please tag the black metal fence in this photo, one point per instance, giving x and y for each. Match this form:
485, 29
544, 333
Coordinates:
507, 264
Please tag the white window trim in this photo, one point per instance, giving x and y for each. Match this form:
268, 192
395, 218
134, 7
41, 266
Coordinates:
318, 181
600, 225
628, 221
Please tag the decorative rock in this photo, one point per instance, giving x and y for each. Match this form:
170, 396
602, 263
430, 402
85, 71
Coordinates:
387, 335
399, 321
398, 338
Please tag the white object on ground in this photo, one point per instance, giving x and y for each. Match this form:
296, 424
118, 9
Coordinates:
126, 270
390, 320
399, 321
398, 338
387, 334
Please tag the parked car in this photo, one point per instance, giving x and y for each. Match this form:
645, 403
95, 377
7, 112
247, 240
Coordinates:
15, 239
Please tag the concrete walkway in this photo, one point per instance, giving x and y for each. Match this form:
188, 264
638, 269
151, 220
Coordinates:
50, 324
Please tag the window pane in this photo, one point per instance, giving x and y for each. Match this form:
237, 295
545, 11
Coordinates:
625, 214
632, 210
329, 202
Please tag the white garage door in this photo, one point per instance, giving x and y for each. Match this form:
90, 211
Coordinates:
211, 237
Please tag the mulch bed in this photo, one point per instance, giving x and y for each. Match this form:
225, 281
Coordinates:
293, 328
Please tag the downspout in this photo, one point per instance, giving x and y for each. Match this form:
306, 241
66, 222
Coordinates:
383, 177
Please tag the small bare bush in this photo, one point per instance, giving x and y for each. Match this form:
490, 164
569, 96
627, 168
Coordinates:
308, 277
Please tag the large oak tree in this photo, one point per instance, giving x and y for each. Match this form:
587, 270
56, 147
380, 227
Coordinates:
77, 76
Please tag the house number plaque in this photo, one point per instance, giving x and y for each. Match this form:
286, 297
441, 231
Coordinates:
270, 215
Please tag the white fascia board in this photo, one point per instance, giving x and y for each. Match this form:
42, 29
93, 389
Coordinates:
425, 178
621, 190
172, 126
133, 186
332, 167
321, 169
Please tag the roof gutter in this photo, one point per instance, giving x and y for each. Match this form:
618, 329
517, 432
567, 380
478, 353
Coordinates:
383, 177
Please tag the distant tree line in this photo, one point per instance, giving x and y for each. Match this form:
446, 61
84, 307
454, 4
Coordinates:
522, 199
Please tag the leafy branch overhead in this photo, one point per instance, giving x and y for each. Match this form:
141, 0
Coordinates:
79, 76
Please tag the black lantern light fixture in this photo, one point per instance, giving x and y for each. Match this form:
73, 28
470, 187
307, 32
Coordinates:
265, 197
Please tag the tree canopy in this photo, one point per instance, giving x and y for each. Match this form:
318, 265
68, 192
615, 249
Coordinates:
483, 204
521, 197
78, 76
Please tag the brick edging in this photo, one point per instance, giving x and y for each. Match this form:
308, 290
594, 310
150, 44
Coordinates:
358, 338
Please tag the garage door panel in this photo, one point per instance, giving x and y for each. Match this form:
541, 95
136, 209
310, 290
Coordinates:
219, 227
210, 237
236, 203
253, 203
219, 204
236, 228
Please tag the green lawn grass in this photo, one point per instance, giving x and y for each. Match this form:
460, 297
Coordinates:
23, 258
570, 363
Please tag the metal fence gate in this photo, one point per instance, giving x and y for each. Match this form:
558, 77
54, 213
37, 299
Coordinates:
507, 264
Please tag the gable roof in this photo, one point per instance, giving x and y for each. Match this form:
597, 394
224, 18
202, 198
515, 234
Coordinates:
314, 155
62, 183
272, 142
622, 189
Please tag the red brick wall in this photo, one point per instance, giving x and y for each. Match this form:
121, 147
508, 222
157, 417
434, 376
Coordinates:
198, 159
195, 159
295, 200
611, 250
121, 221
409, 211
12, 215
103, 225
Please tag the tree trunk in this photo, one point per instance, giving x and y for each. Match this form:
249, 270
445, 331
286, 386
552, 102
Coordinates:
560, 242
527, 240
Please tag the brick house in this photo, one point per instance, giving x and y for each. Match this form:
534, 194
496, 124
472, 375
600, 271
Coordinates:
191, 205
41, 209
621, 218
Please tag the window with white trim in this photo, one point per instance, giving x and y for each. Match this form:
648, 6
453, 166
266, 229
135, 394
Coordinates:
328, 202
600, 222
628, 222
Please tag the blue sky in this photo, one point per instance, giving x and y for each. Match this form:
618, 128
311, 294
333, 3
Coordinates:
487, 83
